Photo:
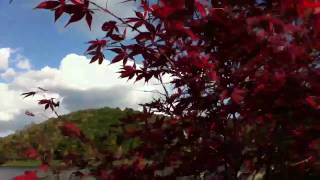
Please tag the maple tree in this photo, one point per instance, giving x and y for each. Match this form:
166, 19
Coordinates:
244, 98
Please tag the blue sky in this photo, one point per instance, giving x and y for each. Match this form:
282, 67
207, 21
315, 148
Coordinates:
34, 33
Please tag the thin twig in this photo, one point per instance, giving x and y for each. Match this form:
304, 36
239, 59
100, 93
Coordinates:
115, 16
301, 162
163, 86
154, 91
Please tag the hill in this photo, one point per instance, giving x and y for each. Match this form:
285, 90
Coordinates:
96, 124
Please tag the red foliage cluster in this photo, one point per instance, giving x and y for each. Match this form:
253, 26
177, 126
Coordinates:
72, 130
28, 175
77, 10
245, 87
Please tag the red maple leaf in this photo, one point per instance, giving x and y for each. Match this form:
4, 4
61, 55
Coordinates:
27, 94
31, 153
28, 175
70, 129
43, 167
313, 101
238, 95
28, 113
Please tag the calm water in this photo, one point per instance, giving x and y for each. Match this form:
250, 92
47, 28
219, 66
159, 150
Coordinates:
7, 173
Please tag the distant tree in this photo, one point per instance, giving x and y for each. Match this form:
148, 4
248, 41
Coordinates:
244, 96
3, 157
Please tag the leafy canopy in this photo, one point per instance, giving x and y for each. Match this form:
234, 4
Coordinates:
245, 93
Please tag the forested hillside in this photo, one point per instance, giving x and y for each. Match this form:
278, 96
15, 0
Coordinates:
97, 124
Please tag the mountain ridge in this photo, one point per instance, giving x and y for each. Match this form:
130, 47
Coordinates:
96, 124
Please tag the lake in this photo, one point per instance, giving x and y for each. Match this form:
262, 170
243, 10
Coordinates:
7, 173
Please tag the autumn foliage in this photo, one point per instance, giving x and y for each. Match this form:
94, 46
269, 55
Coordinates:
244, 96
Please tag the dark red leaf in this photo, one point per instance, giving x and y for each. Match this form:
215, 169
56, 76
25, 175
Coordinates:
313, 101
150, 27
100, 43
144, 36
118, 58
42, 89
89, 19
77, 1
200, 8
116, 37
48, 5
238, 95
308, 4
128, 71
57, 13
48, 103
43, 167
130, 20
71, 130
138, 24
109, 27
28, 175
27, 94
139, 15
28, 113
94, 59
31, 153
116, 50
75, 17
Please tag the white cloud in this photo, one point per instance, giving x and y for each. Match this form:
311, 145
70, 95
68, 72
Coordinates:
23, 63
10, 104
74, 72
4, 57
8, 74
81, 85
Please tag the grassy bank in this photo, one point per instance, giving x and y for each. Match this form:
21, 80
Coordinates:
22, 163
27, 163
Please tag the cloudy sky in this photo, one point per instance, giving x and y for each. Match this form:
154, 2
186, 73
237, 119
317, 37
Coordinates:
36, 52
